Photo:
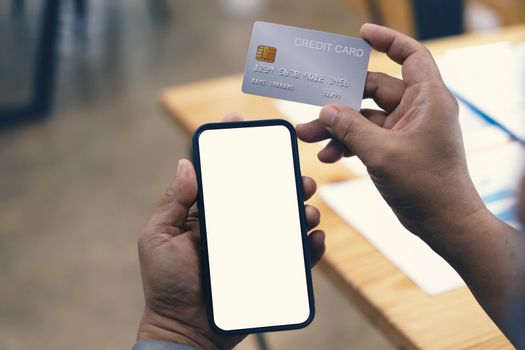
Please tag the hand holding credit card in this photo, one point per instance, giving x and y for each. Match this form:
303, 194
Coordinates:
305, 65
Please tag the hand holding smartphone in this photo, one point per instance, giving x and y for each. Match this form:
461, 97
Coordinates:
256, 264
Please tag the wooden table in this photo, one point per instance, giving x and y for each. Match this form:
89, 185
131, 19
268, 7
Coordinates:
406, 314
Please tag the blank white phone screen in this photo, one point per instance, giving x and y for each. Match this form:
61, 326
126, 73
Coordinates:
257, 267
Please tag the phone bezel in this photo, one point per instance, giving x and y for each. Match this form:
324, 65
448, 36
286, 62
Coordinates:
202, 220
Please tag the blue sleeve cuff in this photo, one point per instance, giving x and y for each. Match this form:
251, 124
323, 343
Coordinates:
159, 345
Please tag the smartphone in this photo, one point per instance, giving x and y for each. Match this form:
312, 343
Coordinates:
256, 264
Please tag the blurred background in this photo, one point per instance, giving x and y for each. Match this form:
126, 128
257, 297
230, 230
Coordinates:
86, 150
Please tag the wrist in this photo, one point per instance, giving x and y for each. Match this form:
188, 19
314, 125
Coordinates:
157, 327
453, 215
455, 237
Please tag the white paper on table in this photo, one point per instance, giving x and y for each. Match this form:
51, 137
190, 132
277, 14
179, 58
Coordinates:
359, 203
496, 173
491, 77
478, 134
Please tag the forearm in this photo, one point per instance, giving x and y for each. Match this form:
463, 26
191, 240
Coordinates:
490, 256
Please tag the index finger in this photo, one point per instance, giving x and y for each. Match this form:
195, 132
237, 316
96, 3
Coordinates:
418, 64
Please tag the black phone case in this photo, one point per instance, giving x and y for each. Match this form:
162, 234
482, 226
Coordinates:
202, 220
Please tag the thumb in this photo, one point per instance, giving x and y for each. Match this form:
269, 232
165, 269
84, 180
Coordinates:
173, 208
351, 128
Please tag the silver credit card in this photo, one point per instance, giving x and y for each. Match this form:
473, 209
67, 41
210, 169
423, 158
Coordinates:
305, 65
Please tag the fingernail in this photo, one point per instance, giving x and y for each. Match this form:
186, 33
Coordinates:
328, 115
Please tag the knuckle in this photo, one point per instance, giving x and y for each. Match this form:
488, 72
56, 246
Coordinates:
346, 133
425, 50
436, 86
446, 98
346, 126
167, 198
373, 78
381, 77
169, 194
